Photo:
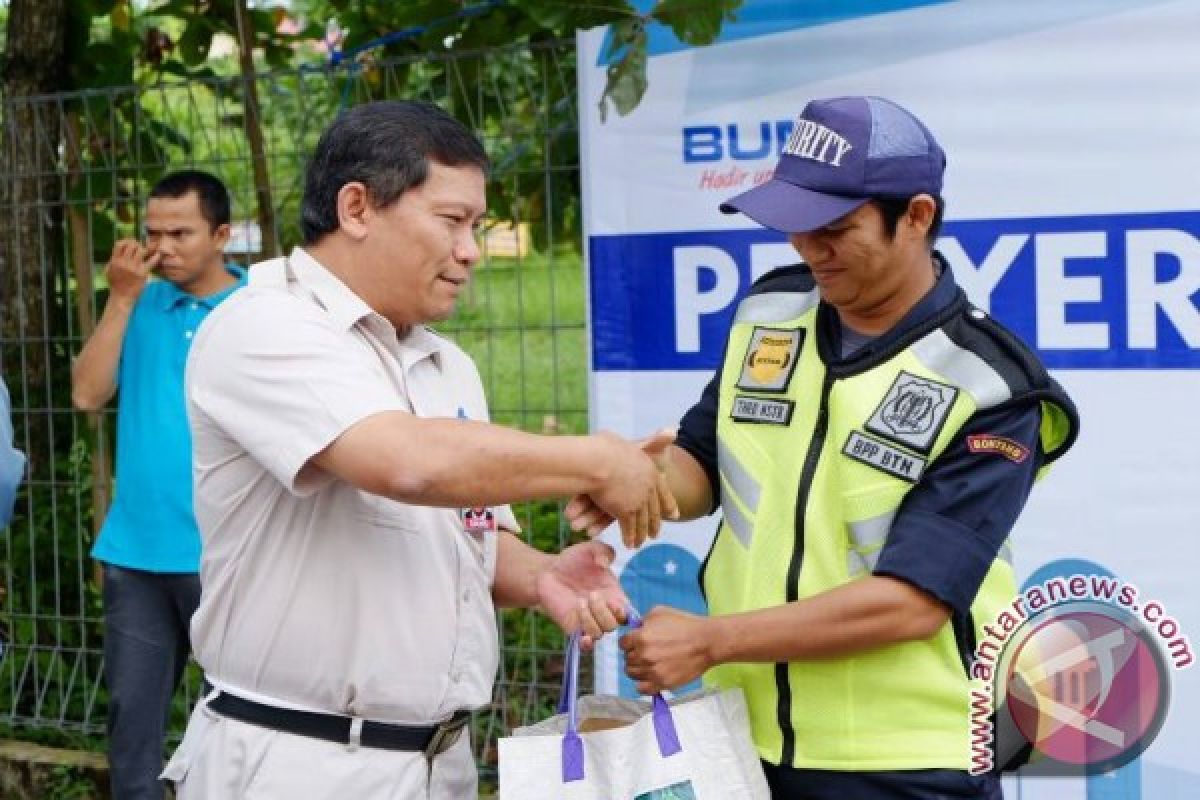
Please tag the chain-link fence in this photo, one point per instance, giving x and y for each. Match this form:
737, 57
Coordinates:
74, 172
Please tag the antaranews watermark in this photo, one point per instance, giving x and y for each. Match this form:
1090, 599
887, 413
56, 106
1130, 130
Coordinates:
1073, 678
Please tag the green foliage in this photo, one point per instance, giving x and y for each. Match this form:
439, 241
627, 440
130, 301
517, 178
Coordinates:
70, 783
117, 42
195, 42
52, 609
523, 324
626, 74
441, 25
697, 23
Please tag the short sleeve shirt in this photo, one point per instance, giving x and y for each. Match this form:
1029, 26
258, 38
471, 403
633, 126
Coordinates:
317, 594
150, 525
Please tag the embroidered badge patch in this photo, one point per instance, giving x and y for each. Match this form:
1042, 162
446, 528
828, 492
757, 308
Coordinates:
771, 359
913, 411
479, 521
884, 457
997, 445
760, 409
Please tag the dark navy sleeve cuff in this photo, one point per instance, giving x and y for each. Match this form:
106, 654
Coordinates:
955, 575
697, 435
951, 526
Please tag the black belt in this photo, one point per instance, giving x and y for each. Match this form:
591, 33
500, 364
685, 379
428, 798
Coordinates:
427, 739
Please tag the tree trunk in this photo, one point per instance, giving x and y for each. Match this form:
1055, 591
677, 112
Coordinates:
254, 134
81, 268
30, 207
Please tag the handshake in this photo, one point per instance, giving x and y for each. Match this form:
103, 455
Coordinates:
635, 493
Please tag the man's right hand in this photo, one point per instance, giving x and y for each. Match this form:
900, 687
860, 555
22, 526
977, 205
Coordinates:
635, 495
129, 268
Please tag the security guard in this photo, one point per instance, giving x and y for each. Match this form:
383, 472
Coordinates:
871, 438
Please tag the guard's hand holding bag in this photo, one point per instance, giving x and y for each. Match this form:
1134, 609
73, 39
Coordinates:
696, 747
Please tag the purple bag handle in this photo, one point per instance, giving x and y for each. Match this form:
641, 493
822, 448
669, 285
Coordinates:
568, 701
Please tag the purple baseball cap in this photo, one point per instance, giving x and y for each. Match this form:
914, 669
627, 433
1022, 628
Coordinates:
843, 151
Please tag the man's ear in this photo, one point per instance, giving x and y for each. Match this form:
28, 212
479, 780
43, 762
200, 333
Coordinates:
221, 235
922, 208
353, 207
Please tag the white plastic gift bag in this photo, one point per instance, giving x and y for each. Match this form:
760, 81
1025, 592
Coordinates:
695, 747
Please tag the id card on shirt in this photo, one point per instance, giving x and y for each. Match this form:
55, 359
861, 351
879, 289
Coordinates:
478, 522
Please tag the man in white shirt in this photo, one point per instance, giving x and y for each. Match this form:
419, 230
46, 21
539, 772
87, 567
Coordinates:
347, 620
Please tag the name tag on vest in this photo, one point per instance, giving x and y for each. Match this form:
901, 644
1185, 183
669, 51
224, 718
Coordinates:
758, 409
884, 457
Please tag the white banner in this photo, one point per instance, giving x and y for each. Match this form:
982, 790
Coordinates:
1073, 215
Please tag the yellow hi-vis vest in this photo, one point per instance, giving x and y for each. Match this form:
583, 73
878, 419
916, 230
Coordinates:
813, 462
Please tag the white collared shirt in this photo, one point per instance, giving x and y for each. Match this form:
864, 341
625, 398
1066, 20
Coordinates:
315, 593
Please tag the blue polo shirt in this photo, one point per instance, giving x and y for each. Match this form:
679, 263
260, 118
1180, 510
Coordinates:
150, 525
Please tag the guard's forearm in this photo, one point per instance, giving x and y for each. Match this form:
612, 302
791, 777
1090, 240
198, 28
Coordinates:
689, 483
867, 613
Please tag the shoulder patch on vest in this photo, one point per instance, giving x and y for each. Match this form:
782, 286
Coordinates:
913, 411
770, 359
762, 409
884, 457
988, 443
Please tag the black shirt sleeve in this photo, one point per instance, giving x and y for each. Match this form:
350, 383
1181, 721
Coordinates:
698, 435
951, 526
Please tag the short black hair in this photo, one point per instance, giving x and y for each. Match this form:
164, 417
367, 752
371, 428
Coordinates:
213, 196
892, 208
386, 146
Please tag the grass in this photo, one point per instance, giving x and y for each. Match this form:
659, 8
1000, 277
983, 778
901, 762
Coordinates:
523, 321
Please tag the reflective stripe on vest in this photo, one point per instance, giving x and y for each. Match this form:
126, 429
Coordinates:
775, 307
740, 494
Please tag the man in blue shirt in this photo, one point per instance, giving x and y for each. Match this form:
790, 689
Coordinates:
150, 545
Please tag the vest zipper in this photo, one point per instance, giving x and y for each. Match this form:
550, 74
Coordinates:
783, 684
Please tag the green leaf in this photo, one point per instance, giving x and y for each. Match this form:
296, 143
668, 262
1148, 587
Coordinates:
103, 64
173, 67
93, 8
626, 77
695, 23
104, 234
183, 9
277, 56
554, 16
195, 43
165, 133
201, 73
78, 33
95, 184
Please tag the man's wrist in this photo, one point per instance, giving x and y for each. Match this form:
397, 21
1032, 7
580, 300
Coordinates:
122, 303
719, 640
543, 563
599, 462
